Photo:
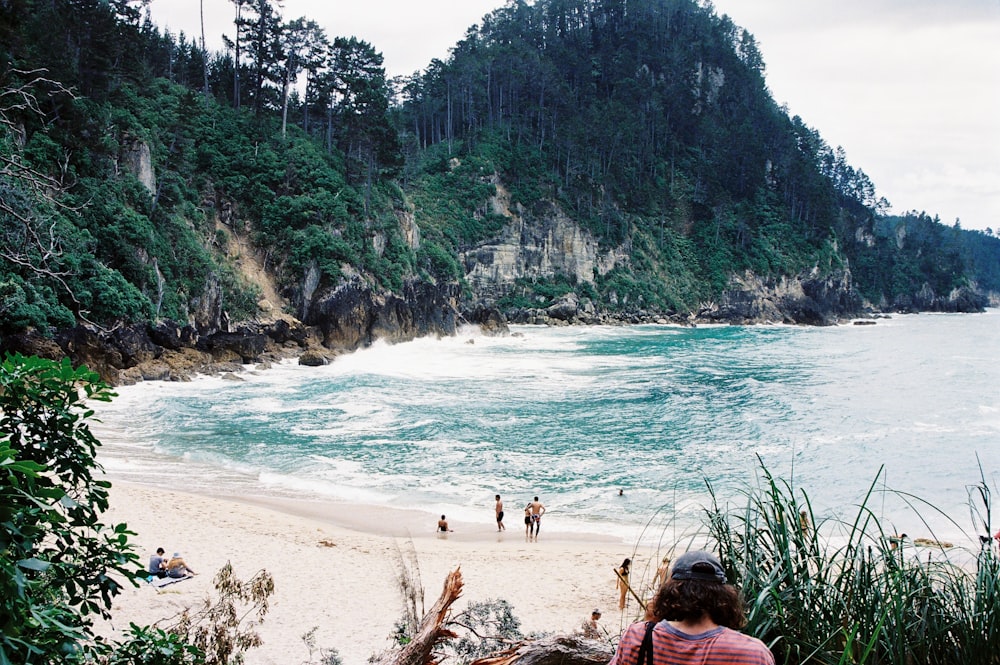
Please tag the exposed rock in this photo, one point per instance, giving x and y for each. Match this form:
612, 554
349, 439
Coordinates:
134, 345
243, 347
565, 308
170, 335
352, 315
807, 299
489, 319
315, 358
138, 160
963, 299
540, 243
208, 315
32, 343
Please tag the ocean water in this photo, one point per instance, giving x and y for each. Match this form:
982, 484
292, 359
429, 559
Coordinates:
575, 415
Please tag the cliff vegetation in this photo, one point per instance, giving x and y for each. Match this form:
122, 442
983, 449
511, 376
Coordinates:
571, 161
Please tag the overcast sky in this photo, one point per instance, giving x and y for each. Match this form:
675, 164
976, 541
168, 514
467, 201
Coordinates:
909, 88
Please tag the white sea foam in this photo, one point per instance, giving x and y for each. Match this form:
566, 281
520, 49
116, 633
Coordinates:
560, 413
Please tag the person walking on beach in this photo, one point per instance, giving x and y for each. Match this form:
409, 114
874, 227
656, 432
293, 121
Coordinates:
622, 583
696, 618
499, 511
537, 510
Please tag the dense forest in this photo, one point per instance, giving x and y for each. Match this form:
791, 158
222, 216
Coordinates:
137, 167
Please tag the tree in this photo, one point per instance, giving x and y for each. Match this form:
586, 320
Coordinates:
235, 45
260, 29
302, 45
360, 101
59, 564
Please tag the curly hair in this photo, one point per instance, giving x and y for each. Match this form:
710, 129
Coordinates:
688, 600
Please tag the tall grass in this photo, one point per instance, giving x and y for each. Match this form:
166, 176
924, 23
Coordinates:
841, 592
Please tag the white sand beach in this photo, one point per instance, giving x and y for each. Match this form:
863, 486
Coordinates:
335, 567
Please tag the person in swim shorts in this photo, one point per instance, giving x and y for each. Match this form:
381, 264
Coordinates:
499, 512
537, 510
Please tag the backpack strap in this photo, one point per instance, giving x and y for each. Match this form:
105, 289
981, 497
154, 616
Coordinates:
646, 649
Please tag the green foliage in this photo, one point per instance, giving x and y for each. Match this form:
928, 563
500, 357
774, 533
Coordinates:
326, 656
647, 122
451, 200
486, 628
848, 591
148, 645
59, 564
221, 632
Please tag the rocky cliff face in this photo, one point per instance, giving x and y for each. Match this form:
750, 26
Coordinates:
809, 299
540, 243
352, 315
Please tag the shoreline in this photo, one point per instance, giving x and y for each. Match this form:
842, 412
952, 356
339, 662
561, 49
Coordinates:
338, 571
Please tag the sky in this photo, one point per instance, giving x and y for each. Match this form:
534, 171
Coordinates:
909, 88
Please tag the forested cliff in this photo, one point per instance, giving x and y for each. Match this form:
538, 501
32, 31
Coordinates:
572, 160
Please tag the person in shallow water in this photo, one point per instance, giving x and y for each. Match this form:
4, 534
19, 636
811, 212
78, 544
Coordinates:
443, 525
537, 510
694, 617
529, 525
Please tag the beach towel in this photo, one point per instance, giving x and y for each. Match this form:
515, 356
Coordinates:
160, 582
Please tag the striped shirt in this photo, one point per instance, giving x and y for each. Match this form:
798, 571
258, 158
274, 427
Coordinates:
719, 646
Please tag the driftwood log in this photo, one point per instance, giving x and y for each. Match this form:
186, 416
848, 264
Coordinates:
554, 650
431, 631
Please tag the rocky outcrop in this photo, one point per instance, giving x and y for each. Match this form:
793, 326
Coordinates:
540, 243
138, 160
965, 299
810, 299
352, 315
164, 351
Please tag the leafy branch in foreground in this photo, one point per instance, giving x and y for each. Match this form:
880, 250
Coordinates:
224, 630
59, 563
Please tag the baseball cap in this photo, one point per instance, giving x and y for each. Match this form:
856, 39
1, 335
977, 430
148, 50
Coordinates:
698, 565
596, 611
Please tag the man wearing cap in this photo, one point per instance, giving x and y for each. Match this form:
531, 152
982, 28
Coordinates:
696, 619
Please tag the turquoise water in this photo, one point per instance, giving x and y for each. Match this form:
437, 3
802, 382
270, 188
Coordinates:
574, 415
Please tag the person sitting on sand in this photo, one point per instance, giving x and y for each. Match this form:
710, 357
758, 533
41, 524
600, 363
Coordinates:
591, 630
177, 567
443, 525
157, 564
695, 618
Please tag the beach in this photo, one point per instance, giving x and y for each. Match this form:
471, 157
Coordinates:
335, 567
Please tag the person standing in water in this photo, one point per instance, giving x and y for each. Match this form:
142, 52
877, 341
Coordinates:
537, 510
